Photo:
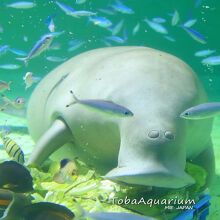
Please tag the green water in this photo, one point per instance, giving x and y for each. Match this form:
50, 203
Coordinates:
17, 23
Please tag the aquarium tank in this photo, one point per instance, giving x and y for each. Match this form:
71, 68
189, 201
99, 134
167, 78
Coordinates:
109, 109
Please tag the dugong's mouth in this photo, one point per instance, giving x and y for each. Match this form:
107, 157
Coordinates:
150, 177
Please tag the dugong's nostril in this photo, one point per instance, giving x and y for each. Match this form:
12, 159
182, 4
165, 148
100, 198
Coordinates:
169, 135
153, 134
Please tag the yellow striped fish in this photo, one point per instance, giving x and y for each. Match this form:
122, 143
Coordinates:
12, 149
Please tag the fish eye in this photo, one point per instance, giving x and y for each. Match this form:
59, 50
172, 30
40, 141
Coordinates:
126, 113
18, 101
187, 113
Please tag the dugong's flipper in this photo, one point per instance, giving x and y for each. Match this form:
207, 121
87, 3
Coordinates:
57, 135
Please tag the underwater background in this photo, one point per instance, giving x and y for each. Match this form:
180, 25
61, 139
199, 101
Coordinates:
21, 28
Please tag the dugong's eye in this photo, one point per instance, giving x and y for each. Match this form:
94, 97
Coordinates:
169, 135
153, 134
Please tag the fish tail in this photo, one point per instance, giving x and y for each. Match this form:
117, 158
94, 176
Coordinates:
74, 97
25, 59
9, 83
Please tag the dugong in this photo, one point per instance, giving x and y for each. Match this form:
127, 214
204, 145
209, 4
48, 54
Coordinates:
152, 147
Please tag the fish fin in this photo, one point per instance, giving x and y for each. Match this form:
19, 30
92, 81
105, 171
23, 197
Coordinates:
74, 97
25, 59
6, 100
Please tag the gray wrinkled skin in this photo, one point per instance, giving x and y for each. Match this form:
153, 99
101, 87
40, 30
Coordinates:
150, 148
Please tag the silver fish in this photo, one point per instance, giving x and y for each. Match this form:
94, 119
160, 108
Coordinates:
136, 29
81, 13
170, 38
10, 66
122, 8
156, 26
194, 34
202, 111
21, 5
117, 28
55, 59
190, 23
18, 52
68, 10
76, 45
103, 106
38, 48
203, 53
159, 20
115, 39
213, 60
175, 18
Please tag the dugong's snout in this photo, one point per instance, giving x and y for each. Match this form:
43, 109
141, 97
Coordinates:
158, 161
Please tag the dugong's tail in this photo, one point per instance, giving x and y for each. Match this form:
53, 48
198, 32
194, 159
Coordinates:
57, 135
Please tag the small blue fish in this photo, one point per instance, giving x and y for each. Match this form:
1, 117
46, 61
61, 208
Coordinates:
10, 66
117, 28
136, 29
55, 46
81, 13
18, 52
170, 38
38, 48
156, 26
194, 34
107, 11
213, 60
115, 39
190, 22
101, 21
3, 49
202, 111
103, 106
122, 8
21, 5
80, 1
204, 53
55, 59
159, 20
68, 10
175, 18
76, 45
